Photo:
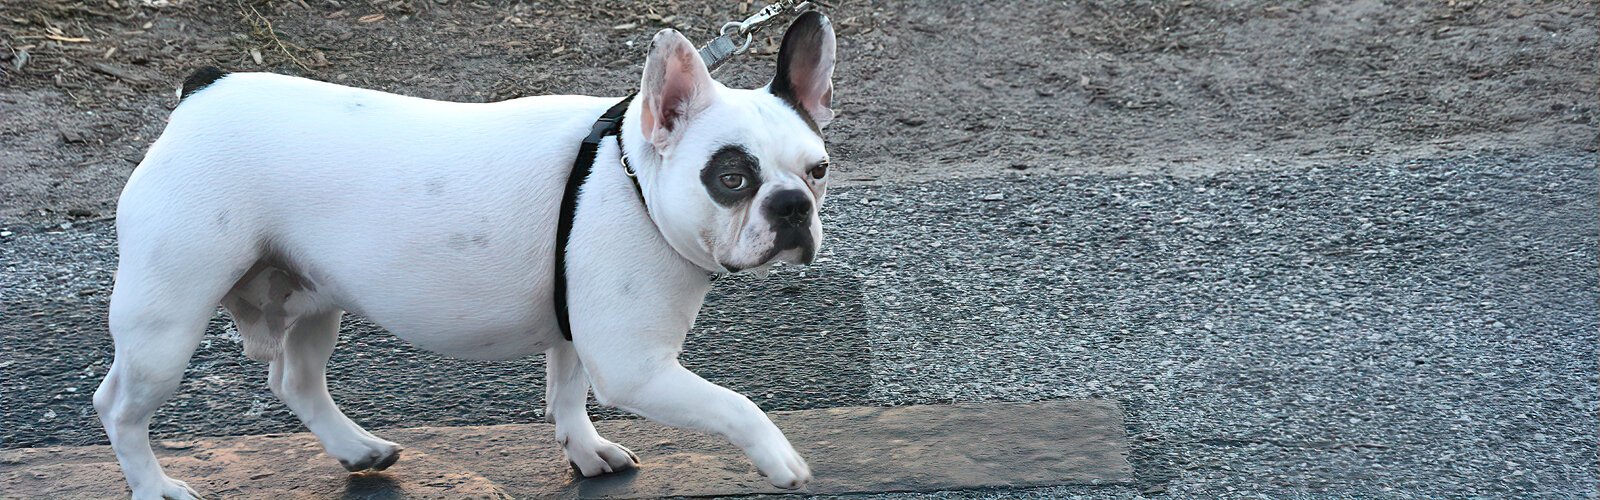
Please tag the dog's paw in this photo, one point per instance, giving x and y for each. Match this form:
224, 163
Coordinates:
168, 489
367, 454
782, 466
596, 456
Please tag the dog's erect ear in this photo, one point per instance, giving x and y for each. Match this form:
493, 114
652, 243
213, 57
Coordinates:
675, 87
805, 68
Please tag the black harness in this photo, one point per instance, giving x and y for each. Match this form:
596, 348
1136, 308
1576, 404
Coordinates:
609, 124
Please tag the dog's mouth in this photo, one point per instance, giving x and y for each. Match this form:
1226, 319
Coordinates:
792, 245
762, 249
800, 255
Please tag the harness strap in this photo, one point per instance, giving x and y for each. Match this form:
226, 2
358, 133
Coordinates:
609, 124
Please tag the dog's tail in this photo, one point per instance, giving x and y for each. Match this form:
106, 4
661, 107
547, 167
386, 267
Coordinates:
200, 79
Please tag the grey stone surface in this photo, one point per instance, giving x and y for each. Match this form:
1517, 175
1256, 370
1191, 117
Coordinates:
857, 449
913, 448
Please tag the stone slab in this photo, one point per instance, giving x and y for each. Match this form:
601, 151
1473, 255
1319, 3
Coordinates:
851, 450
271, 465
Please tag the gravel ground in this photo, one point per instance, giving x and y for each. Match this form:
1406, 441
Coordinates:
1419, 329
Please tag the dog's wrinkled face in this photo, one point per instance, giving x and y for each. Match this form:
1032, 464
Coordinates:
742, 173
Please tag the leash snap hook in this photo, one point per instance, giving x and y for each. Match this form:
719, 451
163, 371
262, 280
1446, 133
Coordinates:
732, 29
721, 48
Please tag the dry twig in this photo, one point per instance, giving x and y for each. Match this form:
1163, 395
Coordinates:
262, 28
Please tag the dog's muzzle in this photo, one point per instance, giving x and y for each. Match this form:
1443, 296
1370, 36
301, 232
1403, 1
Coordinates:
790, 213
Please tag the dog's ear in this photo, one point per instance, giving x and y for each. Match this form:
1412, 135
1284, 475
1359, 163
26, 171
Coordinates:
676, 86
805, 68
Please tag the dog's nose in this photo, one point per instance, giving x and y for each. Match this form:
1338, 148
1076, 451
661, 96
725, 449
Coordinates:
789, 209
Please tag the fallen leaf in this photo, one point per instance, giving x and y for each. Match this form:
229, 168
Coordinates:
370, 18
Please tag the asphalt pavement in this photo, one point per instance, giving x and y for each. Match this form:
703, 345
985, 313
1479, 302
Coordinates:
1416, 329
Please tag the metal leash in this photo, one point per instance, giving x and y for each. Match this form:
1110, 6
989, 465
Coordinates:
722, 48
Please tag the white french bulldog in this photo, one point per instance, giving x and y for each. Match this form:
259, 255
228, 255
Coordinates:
290, 201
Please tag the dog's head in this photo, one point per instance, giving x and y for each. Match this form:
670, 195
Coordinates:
741, 173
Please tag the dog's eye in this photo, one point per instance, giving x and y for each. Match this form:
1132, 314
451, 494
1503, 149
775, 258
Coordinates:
819, 171
734, 181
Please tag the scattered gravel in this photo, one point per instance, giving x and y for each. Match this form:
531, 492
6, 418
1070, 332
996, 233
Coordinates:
1417, 330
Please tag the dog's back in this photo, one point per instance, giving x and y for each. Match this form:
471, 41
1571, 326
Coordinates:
284, 138
257, 169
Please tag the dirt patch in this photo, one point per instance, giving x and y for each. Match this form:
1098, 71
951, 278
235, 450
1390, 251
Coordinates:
925, 90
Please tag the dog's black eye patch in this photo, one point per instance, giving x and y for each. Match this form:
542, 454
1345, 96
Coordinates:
731, 162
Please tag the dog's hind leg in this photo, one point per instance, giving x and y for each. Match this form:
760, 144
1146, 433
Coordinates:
299, 377
283, 323
159, 309
566, 399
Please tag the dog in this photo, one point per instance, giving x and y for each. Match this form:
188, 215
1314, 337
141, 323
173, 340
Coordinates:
289, 202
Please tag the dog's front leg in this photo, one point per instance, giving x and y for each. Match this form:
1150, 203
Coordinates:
647, 380
566, 399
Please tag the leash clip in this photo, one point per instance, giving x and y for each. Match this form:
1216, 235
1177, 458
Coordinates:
764, 17
722, 48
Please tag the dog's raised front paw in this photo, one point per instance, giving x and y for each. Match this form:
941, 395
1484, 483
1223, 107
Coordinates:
368, 454
596, 456
169, 489
782, 466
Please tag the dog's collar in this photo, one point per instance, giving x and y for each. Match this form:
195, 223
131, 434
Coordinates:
609, 124
622, 154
